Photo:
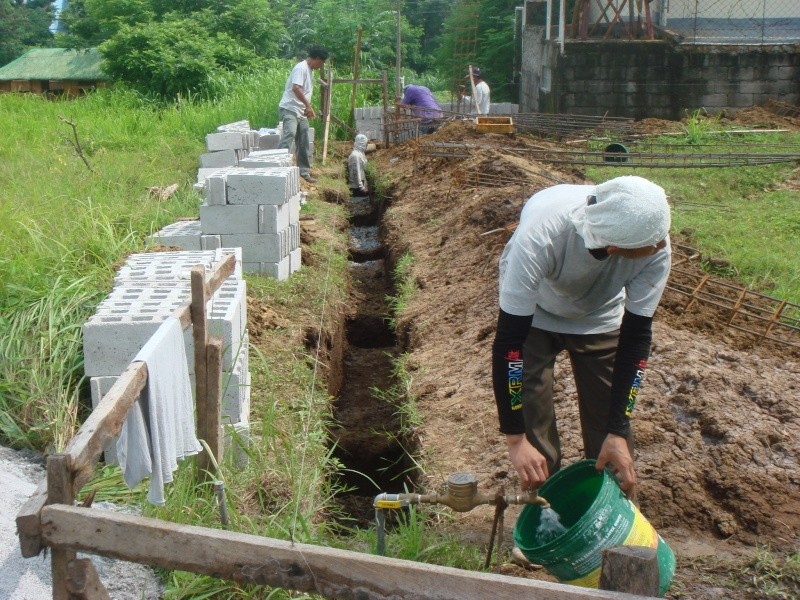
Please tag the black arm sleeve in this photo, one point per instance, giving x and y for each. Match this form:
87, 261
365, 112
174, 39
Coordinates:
507, 370
633, 350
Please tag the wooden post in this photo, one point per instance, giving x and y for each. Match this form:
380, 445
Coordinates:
630, 569
356, 60
385, 83
214, 405
327, 126
472, 85
83, 582
59, 490
200, 338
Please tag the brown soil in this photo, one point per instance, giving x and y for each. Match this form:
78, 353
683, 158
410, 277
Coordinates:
717, 425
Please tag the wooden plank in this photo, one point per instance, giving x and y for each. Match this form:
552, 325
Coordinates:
343, 125
59, 489
222, 270
105, 421
200, 337
29, 523
213, 436
83, 582
631, 569
245, 558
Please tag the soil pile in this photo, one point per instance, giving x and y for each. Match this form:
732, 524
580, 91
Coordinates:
717, 425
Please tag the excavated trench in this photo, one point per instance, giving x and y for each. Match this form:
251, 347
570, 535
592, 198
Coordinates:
366, 435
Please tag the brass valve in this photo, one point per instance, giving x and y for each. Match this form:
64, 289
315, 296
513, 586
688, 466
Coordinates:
462, 496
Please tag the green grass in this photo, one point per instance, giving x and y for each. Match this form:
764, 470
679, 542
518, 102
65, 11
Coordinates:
63, 228
741, 214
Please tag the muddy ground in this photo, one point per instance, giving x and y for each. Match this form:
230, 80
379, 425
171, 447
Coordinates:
717, 425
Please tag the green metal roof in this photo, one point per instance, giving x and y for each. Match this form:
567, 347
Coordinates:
55, 64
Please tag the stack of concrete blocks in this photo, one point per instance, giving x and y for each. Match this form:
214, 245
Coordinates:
148, 288
186, 235
369, 121
226, 147
257, 209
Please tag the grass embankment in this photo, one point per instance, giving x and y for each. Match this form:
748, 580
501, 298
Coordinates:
744, 215
64, 227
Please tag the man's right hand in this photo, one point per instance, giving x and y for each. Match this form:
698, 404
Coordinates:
530, 464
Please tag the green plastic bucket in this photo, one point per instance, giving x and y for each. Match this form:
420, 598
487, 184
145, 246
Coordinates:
596, 516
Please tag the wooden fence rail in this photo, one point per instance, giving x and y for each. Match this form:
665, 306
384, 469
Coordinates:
50, 518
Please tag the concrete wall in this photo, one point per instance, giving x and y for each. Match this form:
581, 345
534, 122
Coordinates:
660, 79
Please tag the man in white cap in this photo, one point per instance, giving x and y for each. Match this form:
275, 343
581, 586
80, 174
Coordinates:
583, 273
479, 103
357, 166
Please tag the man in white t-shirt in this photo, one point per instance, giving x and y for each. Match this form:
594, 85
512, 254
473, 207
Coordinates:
295, 108
479, 104
583, 273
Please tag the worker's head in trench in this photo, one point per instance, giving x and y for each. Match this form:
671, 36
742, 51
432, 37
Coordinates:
628, 215
360, 142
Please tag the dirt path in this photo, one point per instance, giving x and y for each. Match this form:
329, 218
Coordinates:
718, 422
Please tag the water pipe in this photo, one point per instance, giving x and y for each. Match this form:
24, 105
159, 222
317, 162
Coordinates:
462, 496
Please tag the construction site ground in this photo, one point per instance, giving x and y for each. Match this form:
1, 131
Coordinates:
717, 425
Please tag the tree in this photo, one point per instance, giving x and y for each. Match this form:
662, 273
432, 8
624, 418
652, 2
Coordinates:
249, 23
23, 26
170, 57
378, 21
494, 50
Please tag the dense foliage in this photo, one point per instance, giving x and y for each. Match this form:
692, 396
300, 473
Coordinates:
180, 47
23, 25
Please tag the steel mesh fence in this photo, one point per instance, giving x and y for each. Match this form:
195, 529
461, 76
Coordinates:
733, 21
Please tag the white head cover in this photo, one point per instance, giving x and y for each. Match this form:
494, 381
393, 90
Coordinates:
630, 212
361, 142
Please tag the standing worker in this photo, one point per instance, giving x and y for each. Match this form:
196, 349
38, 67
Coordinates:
356, 167
480, 103
295, 108
583, 272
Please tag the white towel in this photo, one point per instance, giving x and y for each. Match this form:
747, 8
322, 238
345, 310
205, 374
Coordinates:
159, 430
630, 212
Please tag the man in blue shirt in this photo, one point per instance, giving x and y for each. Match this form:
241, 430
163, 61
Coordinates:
425, 105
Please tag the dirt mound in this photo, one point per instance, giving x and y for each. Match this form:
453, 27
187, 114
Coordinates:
717, 426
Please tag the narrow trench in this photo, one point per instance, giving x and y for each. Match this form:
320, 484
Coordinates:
366, 432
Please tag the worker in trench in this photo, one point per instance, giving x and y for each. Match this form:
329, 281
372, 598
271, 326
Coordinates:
357, 167
583, 273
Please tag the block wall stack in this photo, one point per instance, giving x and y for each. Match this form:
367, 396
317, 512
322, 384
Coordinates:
253, 204
257, 209
148, 288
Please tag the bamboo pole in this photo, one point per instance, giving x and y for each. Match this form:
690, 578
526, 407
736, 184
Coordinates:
356, 60
327, 116
385, 82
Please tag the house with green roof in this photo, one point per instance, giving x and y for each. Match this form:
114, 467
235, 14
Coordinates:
54, 71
